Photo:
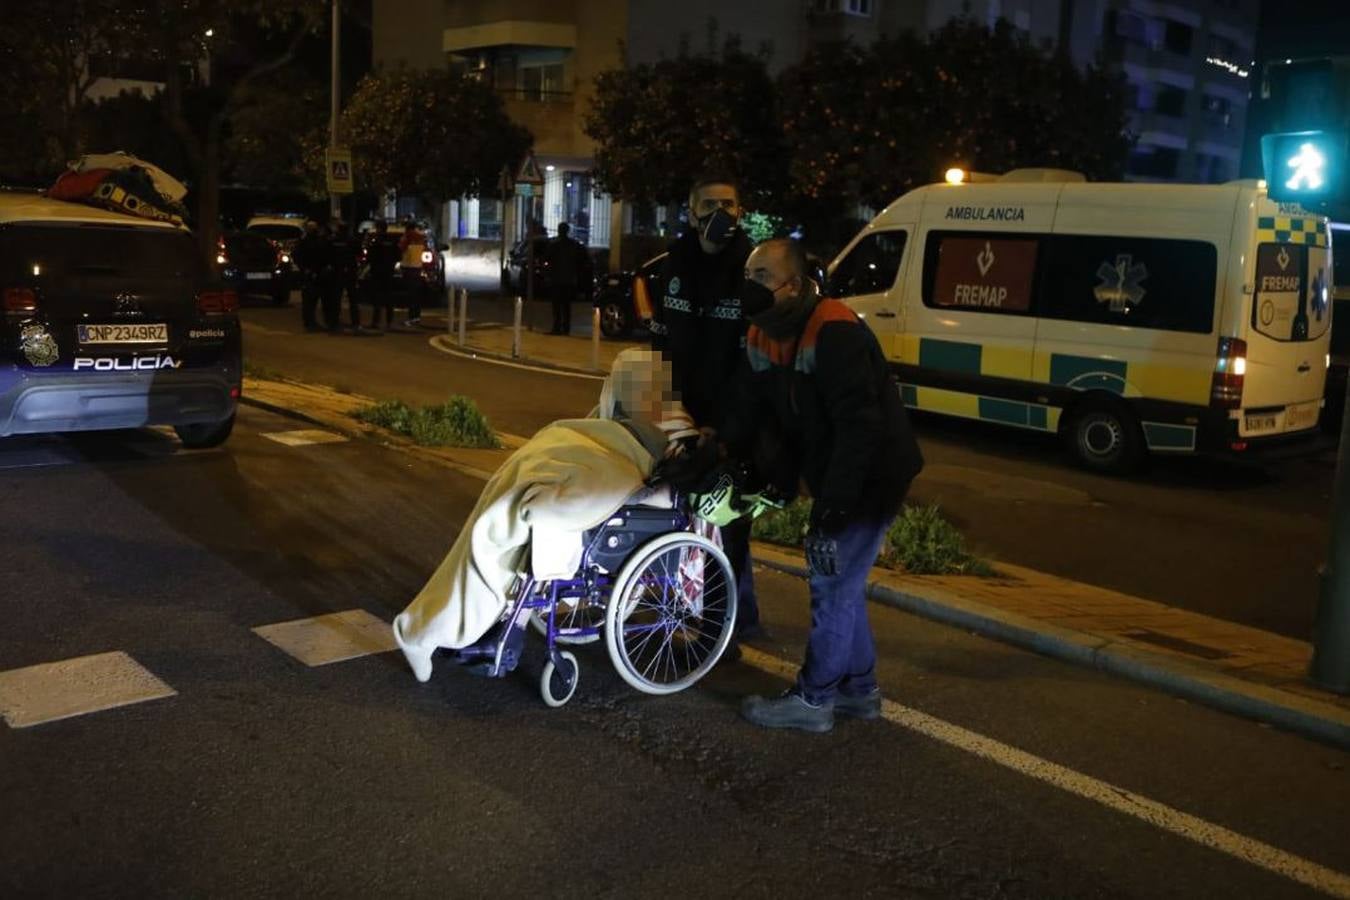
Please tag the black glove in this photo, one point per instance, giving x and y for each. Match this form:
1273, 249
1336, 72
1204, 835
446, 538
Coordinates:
826, 519
822, 554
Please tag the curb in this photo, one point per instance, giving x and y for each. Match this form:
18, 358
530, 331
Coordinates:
1307, 717
469, 351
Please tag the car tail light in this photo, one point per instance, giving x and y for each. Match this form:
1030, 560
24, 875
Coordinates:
217, 303
1230, 369
20, 300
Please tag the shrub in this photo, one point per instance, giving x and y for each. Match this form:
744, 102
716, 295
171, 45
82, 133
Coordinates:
920, 542
456, 423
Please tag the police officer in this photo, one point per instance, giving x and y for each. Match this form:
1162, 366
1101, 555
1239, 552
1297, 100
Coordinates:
568, 264
313, 257
700, 326
818, 382
382, 258
346, 254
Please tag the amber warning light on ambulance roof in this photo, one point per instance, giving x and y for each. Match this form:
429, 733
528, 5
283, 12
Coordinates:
955, 175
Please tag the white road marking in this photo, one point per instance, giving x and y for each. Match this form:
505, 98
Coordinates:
303, 437
331, 638
437, 342
1151, 812
73, 687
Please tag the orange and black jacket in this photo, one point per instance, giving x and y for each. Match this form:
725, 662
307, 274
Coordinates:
821, 407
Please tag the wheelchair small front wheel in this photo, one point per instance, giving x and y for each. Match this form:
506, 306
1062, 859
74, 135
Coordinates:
671, 613
557, 684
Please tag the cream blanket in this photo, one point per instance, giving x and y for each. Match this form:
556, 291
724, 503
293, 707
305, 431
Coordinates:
566, 479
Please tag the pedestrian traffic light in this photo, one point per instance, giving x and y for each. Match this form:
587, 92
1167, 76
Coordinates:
1305, 167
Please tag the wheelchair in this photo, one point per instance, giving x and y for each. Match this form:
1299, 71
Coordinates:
660, 593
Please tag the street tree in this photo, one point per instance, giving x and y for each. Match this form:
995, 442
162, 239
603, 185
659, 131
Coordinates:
434, 133
50, 56
278, 131
658, 125
864, 125
211, 53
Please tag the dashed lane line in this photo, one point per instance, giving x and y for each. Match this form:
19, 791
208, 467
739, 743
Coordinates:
48, 692
331, 638
1151, 812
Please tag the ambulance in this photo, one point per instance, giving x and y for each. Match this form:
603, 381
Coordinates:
1129, 319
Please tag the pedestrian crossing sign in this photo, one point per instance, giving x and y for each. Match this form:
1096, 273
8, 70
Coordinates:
338, 166
529, 172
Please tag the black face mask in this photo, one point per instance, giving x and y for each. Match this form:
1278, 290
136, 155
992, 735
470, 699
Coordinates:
755, 298
717, 227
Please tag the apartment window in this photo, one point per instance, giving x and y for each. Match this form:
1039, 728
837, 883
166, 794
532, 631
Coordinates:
1178, 38
849, 7
1170, 101
1224, 48
541, 82
1219, 110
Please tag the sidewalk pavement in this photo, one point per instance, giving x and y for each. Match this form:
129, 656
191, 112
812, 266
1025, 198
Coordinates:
1231, 667
484, 336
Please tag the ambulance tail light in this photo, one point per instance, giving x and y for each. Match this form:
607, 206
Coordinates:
1230, 370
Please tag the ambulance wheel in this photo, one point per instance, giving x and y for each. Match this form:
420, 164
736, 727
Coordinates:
1106, 437
559, 683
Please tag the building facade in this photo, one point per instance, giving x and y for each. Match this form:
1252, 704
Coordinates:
1187, 66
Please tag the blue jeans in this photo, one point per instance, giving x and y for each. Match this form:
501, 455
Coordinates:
840, 654
736, 545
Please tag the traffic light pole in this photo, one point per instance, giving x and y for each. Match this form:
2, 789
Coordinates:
1331, 635
334, 200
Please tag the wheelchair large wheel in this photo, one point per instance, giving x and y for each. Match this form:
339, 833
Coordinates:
671, 613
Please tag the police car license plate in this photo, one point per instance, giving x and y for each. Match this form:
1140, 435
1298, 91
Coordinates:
258, 276
124, 334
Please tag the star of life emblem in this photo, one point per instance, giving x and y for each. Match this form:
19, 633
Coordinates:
1119, 285
674, 288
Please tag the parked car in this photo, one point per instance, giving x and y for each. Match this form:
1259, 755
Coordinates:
625, 298
111, 321
283, 229
433, 260
254, 266
517, 267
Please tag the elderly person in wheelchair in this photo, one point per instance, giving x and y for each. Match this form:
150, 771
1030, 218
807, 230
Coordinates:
584, 533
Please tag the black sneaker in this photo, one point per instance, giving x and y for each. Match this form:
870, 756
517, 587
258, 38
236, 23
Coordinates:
788, 711
861, 706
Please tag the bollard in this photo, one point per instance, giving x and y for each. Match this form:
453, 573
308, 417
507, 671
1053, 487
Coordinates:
595, 338
463, 313
450, 297
515, 331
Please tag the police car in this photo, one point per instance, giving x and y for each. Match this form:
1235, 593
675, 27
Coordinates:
111, 321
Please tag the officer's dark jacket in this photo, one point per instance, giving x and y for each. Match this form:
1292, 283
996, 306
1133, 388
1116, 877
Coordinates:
826, 403
698, 323
313, 255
